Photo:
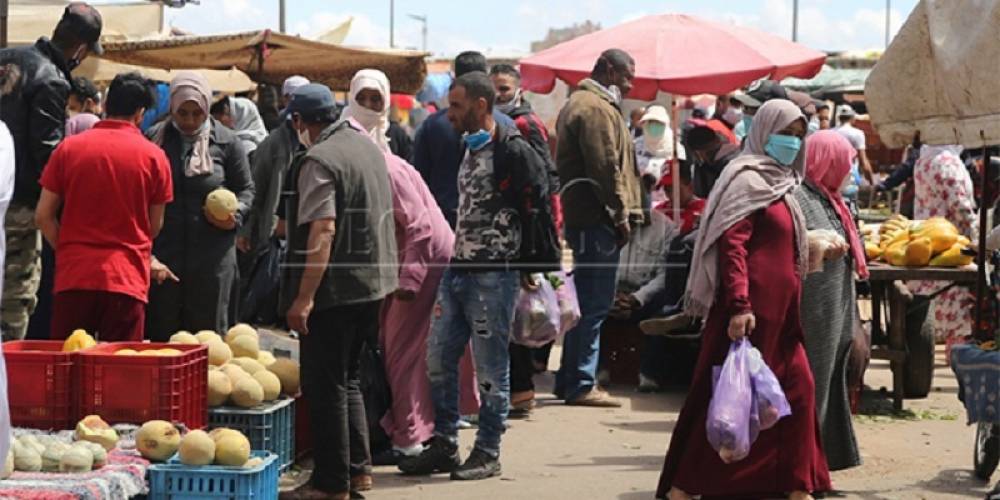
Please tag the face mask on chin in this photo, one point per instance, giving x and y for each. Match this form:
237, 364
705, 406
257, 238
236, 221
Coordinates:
304, 138
509, 106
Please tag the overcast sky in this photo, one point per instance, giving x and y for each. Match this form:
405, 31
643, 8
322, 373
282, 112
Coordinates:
510, 27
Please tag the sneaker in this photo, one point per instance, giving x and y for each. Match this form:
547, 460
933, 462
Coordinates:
479, 465
647, 385
439, 456
678, 326
395, 455
595, 398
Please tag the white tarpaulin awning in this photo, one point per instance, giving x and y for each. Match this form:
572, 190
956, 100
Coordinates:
938, 76
128, 21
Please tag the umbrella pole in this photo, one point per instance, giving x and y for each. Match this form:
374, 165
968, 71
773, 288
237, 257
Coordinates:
675, 172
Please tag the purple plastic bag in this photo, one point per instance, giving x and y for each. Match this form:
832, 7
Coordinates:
569, 306
769, 397
730, 410
536, 319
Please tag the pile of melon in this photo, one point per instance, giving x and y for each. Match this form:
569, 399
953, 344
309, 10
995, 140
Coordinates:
240, 373
94, 438
158, 441
78, 340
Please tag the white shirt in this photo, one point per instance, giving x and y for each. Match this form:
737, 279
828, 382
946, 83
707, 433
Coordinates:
6, 191
855, 136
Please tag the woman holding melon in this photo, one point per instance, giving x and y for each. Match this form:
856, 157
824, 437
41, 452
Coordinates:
194, 270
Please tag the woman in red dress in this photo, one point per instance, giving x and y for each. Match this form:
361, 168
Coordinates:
746, 276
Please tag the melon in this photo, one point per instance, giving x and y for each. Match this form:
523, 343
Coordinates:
221, 204
253, 462
76, 459
169, 352
94, 429
219, 353
269, 383
219, 388
150, 352
233, 371
53, 455
157, 440
8, 465
197, 448
244, 346
265, 358
206, 336
126, 352
32, 442
240, 329
233, 449
247, 393
26, 457
184, 337
248, 365
78, 340
288, 373
100, 454
217, 433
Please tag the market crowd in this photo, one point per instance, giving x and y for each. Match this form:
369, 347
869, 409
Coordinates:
365, 235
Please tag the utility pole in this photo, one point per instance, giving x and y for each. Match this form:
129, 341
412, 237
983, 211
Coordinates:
795, 20
888, 21
422, 19
392, 24
281, 15
4, 8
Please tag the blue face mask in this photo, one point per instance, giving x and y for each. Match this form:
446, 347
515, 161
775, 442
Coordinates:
783, 148
813, 127
747, 121
477, 140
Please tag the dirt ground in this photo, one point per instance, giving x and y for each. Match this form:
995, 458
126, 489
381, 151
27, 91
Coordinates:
580, 453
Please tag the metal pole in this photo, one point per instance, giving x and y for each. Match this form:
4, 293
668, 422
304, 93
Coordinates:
888, 21
392, 24
981, 332
422, 19
795, 20
282, 11
4, 8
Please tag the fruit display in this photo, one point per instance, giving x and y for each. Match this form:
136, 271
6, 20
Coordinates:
47, 453
95, 430
79, 339
157, 440
905, 243
148, 352
243, 375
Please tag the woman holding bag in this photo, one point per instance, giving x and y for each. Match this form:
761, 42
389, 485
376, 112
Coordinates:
749, 260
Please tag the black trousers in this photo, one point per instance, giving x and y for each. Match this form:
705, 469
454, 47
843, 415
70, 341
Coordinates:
522, 368
330, 356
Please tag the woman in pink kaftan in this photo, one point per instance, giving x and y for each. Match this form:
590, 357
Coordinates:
425, 242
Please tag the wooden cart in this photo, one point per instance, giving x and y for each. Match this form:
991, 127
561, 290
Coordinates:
910, 356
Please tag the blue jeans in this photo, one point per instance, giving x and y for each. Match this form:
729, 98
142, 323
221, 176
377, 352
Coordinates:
477, 305
595, 262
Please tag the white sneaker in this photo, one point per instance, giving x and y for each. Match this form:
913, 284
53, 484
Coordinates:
411, 451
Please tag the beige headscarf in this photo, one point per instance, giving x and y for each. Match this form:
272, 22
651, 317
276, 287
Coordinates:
375, 122
192, 86
751, 182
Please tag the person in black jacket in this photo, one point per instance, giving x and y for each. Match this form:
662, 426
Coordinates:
34, 110
504, 226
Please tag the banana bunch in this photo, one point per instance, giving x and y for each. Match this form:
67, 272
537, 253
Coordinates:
990, 345
902, 242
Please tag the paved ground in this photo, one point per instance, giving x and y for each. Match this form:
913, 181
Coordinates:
580, 453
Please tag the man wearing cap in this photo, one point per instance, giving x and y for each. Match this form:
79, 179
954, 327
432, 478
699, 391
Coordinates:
710, 154
342, 262
846, 117
34, 109
749, 107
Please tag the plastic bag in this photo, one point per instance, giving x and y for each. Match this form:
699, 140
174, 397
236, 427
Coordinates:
536, 319
729, 411
821, 240
769, 399
569, 305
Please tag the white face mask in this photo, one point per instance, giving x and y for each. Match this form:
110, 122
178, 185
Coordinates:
367, 118
732, 116
304, 138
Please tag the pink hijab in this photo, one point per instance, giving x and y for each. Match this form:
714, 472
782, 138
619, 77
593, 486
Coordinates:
828, 158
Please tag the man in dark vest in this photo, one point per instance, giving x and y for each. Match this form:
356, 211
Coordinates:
341, 263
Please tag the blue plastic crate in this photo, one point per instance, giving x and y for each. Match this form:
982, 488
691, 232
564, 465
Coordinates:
176, 481
269, 427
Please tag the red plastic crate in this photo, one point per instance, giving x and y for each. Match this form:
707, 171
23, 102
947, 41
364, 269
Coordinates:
40, 384
135, 389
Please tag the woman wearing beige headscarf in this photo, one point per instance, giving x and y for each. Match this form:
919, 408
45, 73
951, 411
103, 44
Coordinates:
749, 260
194, 258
